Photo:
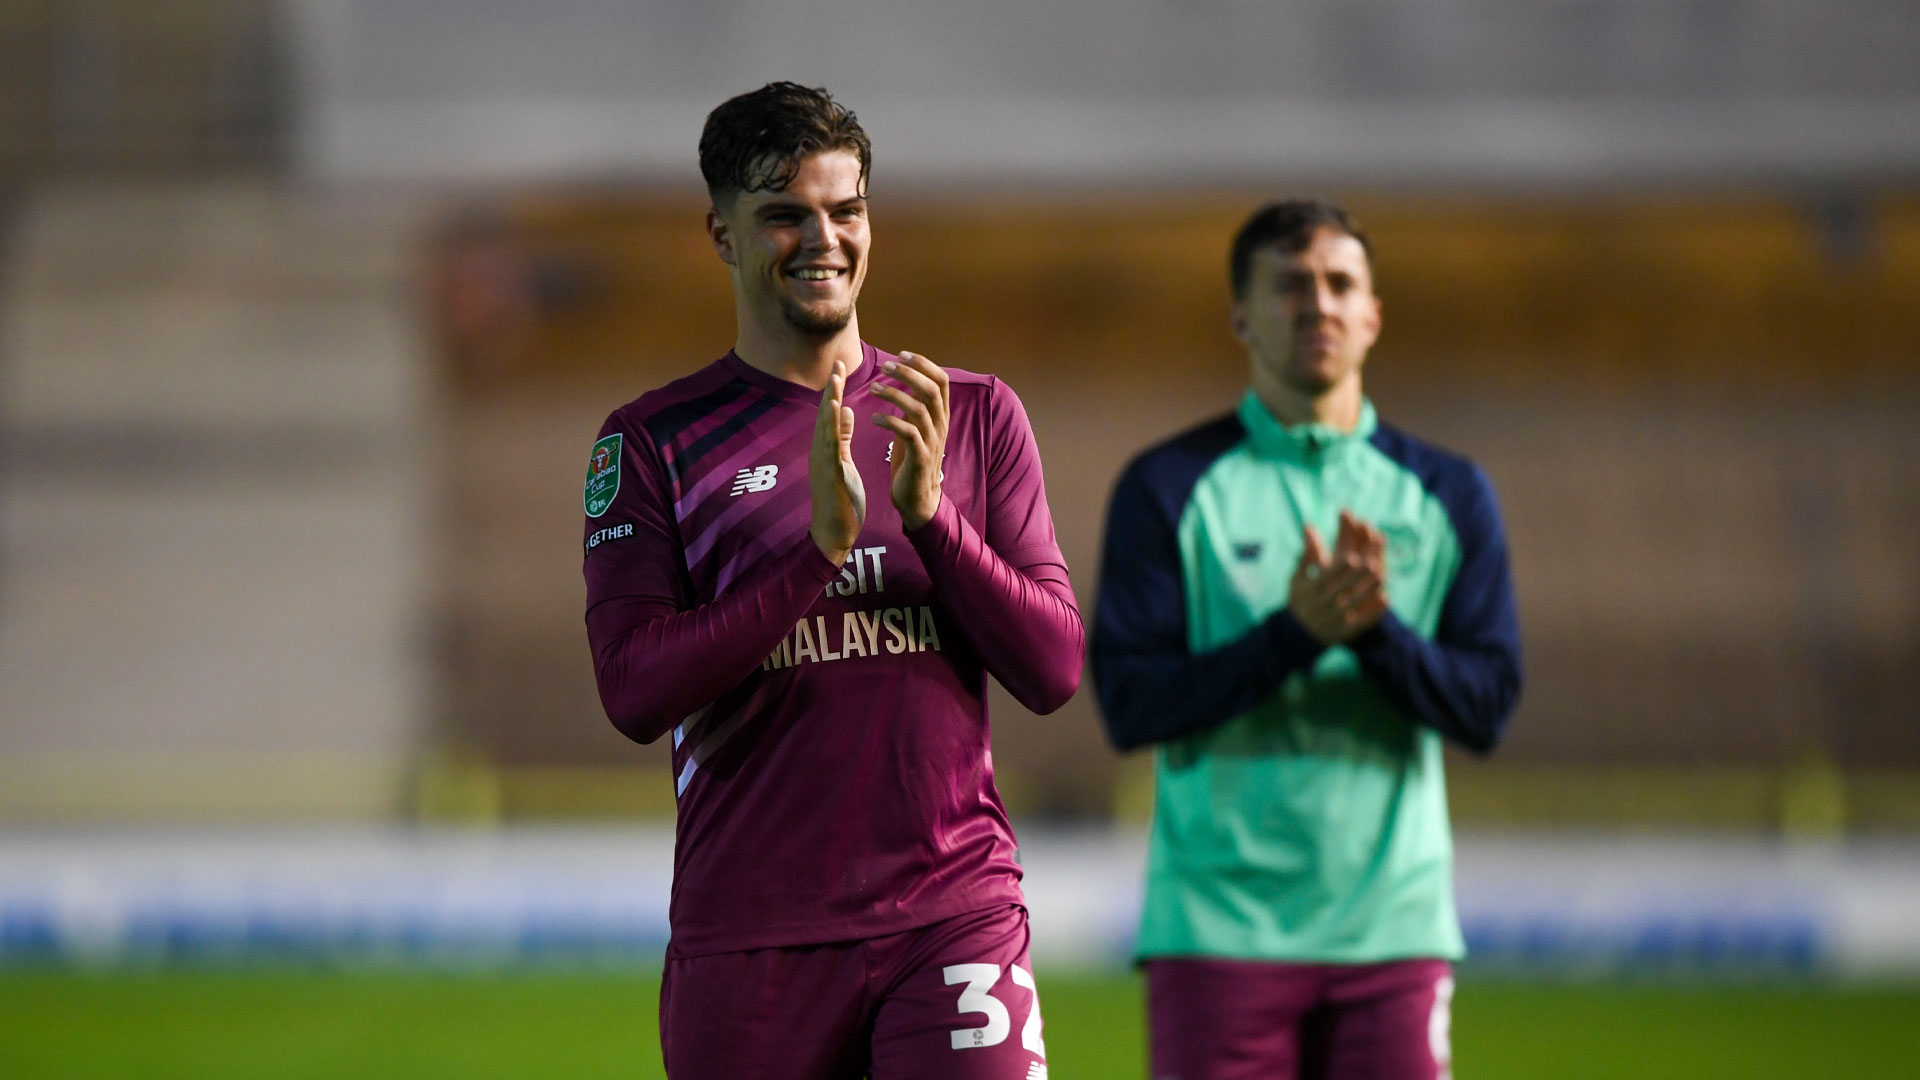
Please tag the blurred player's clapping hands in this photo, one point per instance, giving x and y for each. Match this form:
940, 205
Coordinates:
1339, 596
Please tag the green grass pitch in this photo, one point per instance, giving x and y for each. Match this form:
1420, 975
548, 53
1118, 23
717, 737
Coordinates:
292, 1025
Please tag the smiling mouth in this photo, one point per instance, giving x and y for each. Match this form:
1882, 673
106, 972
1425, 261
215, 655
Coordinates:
816, 273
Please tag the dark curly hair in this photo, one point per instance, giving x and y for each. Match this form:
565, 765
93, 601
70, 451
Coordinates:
756, 141
1288, 224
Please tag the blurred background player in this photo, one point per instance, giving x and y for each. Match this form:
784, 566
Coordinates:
1296, 603
846, 896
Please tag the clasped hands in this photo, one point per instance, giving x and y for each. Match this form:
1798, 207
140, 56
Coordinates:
918, 388
1341, 595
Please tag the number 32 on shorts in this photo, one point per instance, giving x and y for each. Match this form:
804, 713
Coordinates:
978, 998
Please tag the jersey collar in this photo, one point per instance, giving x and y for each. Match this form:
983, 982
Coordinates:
870, 361
1300, 441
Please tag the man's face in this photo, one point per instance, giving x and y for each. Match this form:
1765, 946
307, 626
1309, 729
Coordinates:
799, 255
1309, 317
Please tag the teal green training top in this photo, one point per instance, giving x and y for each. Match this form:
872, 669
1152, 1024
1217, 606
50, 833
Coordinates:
1300, 806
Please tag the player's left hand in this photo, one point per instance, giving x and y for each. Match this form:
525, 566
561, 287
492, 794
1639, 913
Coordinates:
919, 433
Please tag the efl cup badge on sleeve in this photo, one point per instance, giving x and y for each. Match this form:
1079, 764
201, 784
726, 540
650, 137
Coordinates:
603, 476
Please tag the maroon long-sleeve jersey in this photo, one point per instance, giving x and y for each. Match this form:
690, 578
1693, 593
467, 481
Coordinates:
829, 723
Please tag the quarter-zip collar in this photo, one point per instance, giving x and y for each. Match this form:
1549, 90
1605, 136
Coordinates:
1308, 443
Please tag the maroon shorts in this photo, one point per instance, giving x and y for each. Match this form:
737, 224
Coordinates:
951, 1001
1234, 1019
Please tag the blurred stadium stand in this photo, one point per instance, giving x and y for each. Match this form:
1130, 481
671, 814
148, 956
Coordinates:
214, 505
310, 308
213, 415
108, 86
1698, 418
1154, 92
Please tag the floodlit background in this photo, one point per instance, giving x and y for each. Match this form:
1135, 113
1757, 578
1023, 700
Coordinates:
309, 312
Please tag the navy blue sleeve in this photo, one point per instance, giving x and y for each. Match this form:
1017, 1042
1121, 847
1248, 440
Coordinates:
1151, 687
1466, 681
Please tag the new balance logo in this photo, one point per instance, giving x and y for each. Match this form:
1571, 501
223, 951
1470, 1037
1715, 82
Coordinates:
1037, 1071
760, 479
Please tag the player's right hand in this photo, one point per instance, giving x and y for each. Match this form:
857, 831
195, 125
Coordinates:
839, 498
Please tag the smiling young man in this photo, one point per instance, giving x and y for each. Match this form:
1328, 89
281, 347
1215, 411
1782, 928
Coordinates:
846, 891
1299, 917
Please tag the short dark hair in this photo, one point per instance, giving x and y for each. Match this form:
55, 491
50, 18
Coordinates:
1287, 224
757, 140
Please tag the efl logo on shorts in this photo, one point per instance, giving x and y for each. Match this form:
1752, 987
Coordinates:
760, 479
